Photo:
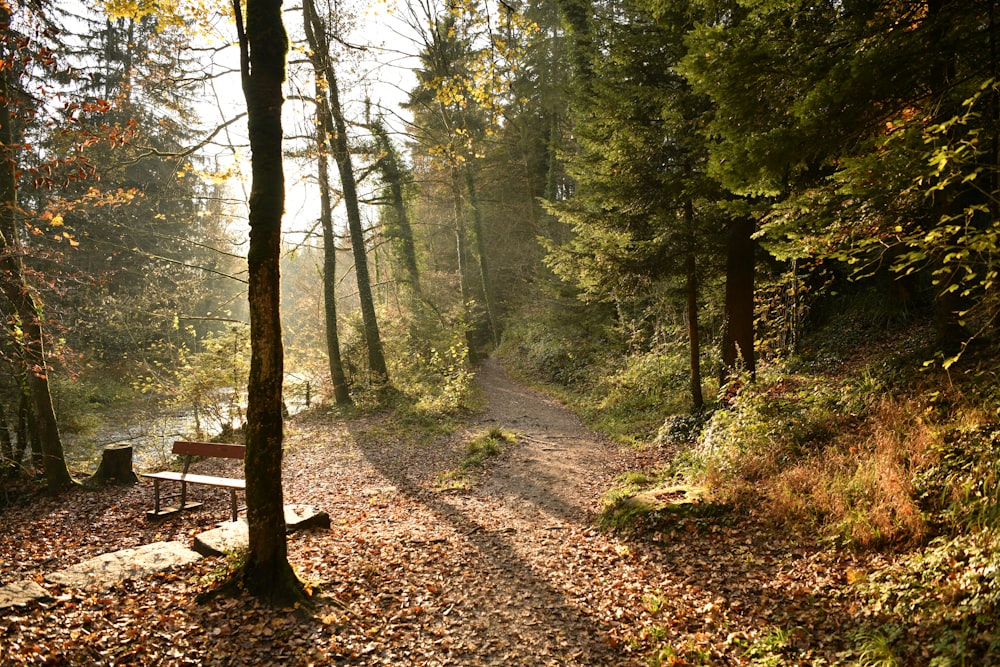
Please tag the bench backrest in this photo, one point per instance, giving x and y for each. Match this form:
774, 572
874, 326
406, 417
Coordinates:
214, 449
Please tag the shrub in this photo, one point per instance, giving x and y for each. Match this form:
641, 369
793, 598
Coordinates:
806, 450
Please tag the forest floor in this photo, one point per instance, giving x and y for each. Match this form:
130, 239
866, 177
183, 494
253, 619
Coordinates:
511, 571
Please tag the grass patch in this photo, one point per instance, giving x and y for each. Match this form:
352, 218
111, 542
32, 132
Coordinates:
477, 451
638, 502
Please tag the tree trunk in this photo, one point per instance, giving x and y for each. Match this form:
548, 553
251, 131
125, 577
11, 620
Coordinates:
17, 291
337, 376
694, 343
738, 334
26, 438
484, 270
324, 128
6, 444
401, 232
462, 250
342, 154
263, 45
115, 468
577, 15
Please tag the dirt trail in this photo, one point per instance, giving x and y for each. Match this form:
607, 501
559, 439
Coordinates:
558, 464
526, 566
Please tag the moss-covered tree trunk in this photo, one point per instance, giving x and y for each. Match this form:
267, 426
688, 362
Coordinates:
263, 44
462, 252
485, 280
399, 231
16, 290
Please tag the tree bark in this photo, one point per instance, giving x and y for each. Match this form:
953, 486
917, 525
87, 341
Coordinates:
462, 250
324, 127
15, 288
401, 232
694, 342
738, 334
342, 154
24, 429
263, 45
6, 444
484, 270
577, 15
115, 468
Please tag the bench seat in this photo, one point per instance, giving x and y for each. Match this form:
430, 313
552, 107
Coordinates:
191, 478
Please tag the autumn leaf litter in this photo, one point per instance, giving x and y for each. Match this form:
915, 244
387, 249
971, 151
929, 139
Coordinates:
509, 572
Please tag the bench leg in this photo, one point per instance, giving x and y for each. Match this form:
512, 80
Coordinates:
183, 494
156, 496
232, 496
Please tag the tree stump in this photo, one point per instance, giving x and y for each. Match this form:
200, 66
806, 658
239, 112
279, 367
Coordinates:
115, 468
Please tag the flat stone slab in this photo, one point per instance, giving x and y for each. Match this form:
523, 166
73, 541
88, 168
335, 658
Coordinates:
229, 536
108, 569
301, 517
21, 593
234, 535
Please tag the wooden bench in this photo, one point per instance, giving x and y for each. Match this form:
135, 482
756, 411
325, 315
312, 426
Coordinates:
189, 450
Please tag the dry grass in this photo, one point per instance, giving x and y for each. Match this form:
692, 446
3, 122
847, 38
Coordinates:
859, 488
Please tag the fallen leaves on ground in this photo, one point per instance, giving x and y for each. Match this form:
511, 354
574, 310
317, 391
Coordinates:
511, 572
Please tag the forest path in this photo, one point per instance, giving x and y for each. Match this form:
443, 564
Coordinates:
557, 466
525, 578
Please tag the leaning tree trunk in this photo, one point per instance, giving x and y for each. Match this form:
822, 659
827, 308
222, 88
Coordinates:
15, 288
738, 336
316, 36
263, 45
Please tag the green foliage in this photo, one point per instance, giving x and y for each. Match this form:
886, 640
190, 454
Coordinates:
875, 647
538, 347
631, 401
772, 422
208, 376
768, 649
78, 400
428, 359
947, 596
628, 396
232, 561
961, 489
